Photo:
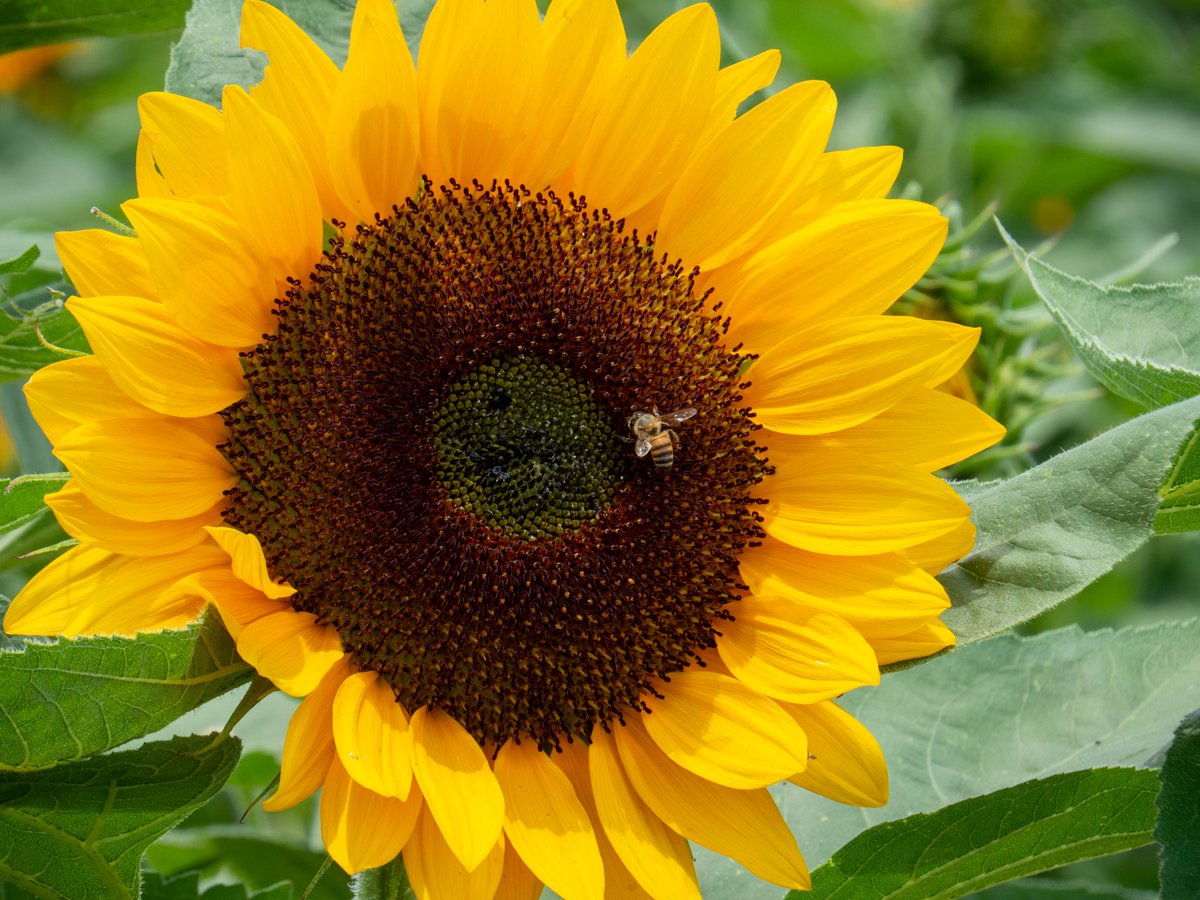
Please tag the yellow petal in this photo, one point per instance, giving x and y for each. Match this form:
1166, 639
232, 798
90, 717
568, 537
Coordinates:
249, 564
516, 882
618, 882
547, 824
441, 39
186, 146
583, 50
844, 762
373, 134
85, 521
854, 260
489, 96
292, 649
101, 263
371, 733
459, 785
435, 873
146, 471
308, 750
735, 83
297, 86
928, 429
839, 373
850, 505
645, 128
71, 392
778, 648
237, 603
210, 279
743, 825
92, 591
723, 731
273, 195
932, 637
879, 595
361, 829
864, 173
657, 857
733, 189
155, 361
935, 554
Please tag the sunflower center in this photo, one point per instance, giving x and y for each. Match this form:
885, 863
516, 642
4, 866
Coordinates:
435, 450
522, 444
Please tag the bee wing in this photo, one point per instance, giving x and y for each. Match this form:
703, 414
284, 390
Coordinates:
642, 447
680, 415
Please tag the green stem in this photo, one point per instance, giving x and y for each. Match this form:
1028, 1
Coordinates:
388, 882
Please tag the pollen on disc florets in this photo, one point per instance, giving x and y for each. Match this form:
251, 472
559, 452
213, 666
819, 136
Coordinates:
434, 451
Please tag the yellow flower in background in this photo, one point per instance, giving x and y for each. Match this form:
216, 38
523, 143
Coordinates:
21, 66
440, 476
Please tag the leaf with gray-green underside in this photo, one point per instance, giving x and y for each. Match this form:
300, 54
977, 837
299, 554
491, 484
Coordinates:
209, 55
35, 23
1049, 532
78, 831
1142, 342
994, 714
988, 840
75, 698
1178, 828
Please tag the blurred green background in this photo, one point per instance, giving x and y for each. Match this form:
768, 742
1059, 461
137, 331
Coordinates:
1079, 118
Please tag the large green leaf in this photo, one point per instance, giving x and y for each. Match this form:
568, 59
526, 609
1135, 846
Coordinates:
32, 23
1178, 828
71, 699
1049, 532
209, 55
78, 831
985, 841
23, 499
187, 887
1142, 342
1050, 888
992, 715
22, 353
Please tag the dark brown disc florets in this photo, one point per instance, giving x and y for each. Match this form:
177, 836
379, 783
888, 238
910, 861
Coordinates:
434, 452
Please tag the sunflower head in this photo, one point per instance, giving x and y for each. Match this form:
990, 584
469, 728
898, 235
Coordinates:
568, 483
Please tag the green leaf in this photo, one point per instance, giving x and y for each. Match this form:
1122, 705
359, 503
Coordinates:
209, 55
1065, 889
992, 715
187, 887
1178, 828
1049, 532
22, 263
32, 23
1180, 507
988, 840
22, 499
74, 698
79, 830
1142, 342
22, 353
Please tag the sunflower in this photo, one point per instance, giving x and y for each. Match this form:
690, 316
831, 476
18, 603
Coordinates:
532, 416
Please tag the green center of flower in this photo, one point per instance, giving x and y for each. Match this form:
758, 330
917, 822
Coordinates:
523, 445
438, 451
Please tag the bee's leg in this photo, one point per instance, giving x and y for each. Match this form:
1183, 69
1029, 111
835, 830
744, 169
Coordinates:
675, 444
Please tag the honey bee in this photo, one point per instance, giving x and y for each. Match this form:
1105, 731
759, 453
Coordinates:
654, 435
